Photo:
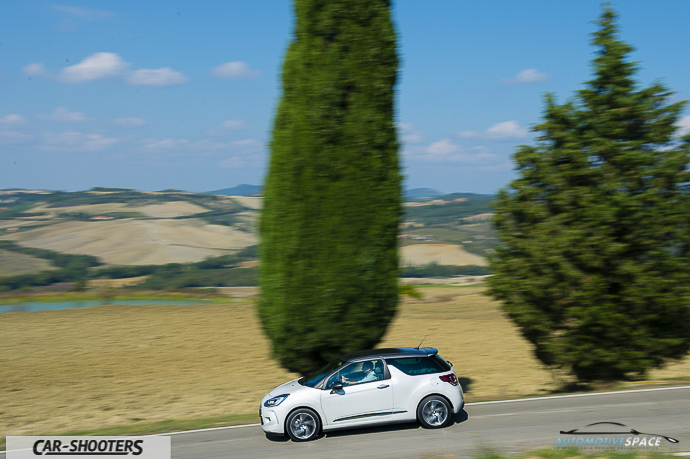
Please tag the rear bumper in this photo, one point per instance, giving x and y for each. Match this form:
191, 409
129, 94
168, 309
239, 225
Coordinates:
457, 399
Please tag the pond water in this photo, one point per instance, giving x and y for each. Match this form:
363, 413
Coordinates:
47, 306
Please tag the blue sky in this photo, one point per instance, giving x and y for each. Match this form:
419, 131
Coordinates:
178, 94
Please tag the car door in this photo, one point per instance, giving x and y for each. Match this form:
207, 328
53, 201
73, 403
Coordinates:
364, 398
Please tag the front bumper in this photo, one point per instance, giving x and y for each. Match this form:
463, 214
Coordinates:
270, 422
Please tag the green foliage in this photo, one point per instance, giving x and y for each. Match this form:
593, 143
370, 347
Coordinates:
436, 270
180, 278
73, 268
61, 260
333, 191
450, 210
248, 253
594, 266
409, 290
212, 272
220, 217
16, 210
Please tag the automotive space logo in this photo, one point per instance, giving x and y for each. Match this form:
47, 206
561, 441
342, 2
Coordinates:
153, 447
610, 435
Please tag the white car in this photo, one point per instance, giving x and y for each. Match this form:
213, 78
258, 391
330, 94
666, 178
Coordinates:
364, 388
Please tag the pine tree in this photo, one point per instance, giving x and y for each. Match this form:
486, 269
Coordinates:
594, 262
329, 263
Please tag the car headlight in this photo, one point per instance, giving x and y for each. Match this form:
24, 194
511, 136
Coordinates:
275, 401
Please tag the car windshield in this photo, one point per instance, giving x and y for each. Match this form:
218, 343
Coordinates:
315, 378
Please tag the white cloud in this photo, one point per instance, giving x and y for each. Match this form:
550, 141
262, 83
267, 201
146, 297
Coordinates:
12, 120
445, 151
234, 125
409, 134
208, 145
94, 67
506, 130
156, 77
182, 146
82, 13
237, 162
248, 145
235, 70
11, 127
61, 115
442, 147
10, 136
684, 124
77, 142
251, 153
35, 69
526, 76
229, 126
130, 122
165, 144
109, 65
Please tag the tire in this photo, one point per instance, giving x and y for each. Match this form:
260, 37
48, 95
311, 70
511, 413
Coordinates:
434, 412
303, 425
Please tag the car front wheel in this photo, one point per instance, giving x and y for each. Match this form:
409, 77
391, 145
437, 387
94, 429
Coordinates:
303, 425
434, 412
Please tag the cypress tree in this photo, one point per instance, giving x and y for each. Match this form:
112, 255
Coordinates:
594, 262
329, 263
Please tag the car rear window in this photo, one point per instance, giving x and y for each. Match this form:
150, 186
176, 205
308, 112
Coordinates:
420, 365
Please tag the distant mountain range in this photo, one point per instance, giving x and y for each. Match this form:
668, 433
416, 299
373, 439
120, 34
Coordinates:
422, 193
239, 190
414, 194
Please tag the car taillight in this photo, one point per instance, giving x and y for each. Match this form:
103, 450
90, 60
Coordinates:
450, 379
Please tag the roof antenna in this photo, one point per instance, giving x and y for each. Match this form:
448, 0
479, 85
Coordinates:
421, 342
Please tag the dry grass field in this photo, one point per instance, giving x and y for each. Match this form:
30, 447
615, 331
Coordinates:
442, 254
13, 263
164, 210
139, 242
111, 365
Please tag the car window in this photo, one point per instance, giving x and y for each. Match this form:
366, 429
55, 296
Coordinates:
358, 373
419, 365
442, 362
316, 378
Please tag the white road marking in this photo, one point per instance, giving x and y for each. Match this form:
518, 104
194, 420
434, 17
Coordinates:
559, 411
578, 395
475, 403
203, 430
468, 404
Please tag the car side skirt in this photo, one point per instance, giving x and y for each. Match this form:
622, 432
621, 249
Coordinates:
370, 415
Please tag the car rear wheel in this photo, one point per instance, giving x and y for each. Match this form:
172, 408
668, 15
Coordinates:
434, 412
303, 425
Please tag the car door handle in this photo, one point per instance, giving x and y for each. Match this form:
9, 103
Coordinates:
382, 386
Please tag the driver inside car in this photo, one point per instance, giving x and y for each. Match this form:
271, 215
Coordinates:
368, 374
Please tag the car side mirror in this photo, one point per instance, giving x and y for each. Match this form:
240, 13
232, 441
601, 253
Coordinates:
450, 363
337, 387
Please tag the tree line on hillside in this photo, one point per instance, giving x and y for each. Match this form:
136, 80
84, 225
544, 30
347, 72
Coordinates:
434, 270
222, 271
450, 211
219, 271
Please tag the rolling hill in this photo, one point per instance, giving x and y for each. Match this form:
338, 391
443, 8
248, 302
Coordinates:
132, 228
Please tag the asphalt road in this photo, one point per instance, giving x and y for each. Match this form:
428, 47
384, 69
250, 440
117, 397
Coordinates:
511, 426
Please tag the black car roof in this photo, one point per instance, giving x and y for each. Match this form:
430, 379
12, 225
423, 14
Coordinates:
393, 352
